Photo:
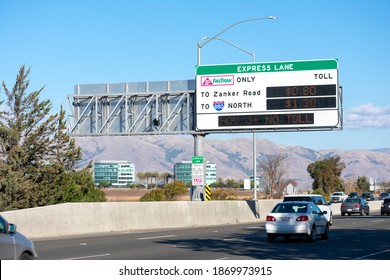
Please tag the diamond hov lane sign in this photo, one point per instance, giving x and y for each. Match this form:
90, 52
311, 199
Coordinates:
268, 96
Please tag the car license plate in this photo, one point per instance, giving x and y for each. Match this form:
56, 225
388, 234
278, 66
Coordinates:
349, 210
286, 219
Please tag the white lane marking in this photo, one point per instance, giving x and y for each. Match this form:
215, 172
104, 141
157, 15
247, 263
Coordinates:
373, 254
377, 221
156, 237
89, 257
233, 239
255, 227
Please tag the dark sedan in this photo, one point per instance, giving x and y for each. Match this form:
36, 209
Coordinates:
355, 205
368, 196
383, 195
385, 207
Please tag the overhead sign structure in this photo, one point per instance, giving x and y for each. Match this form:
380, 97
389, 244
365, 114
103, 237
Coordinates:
296, 95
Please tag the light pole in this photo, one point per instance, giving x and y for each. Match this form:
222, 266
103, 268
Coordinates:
254, 135
200, 45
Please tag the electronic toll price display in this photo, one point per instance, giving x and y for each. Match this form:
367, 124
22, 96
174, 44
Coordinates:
295, 95
302, 97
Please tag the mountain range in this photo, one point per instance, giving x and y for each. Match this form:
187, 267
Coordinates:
233, 156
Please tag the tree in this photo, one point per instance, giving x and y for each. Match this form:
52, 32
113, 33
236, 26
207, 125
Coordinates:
37, 156
272, 168
363, 185
166, 177
326, 174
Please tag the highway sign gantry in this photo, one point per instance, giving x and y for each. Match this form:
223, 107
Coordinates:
294, 95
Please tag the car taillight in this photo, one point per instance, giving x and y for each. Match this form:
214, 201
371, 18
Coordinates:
302, 218
356, 205
270, 219
343, 205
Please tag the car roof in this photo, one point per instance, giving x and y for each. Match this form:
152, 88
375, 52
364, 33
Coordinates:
292, 195
294, 201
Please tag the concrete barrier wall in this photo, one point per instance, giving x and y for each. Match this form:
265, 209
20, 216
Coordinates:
88, 218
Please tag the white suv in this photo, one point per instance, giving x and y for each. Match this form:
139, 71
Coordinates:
319, 200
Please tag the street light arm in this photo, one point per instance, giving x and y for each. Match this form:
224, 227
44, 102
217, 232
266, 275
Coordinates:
234, 24
234, 45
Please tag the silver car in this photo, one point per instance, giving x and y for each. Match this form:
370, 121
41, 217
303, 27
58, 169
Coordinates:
355, 205
13, 244
296, 218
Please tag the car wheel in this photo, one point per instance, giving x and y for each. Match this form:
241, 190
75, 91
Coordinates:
26, 256
312, 234
342, 214
325, 235
382, 214
361, 212
349, 214
331, 219
271, 238
367, 213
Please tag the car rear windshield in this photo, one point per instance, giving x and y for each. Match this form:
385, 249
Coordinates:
352, 200
297, 198
290, 208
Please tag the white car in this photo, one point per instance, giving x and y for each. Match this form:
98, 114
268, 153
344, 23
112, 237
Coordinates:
296, 218
317, 199
338, 197
13, 244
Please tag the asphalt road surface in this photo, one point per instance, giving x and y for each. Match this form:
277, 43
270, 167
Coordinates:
351, 238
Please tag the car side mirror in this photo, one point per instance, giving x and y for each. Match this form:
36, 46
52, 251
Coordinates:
11, 228
325, 212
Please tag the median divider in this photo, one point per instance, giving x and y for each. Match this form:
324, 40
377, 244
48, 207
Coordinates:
102, 217
72, 219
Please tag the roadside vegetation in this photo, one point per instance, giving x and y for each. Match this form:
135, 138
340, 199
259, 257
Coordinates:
37, 157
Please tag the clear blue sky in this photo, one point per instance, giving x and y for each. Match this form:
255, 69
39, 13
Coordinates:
99, 41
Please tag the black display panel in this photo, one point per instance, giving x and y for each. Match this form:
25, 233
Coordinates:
306, 90
269, 119
301, 103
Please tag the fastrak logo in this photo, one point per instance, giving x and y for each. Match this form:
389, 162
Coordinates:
217, 80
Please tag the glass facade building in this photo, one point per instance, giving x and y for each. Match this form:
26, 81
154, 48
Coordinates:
117, 173
183, 172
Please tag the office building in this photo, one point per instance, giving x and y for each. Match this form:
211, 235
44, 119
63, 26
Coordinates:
118, 173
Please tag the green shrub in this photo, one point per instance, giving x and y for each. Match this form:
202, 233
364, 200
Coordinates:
222, 194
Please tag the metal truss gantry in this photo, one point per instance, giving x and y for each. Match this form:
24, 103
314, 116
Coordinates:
136, 108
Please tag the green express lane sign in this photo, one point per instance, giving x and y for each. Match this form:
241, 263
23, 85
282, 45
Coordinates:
268, 96
198, 171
